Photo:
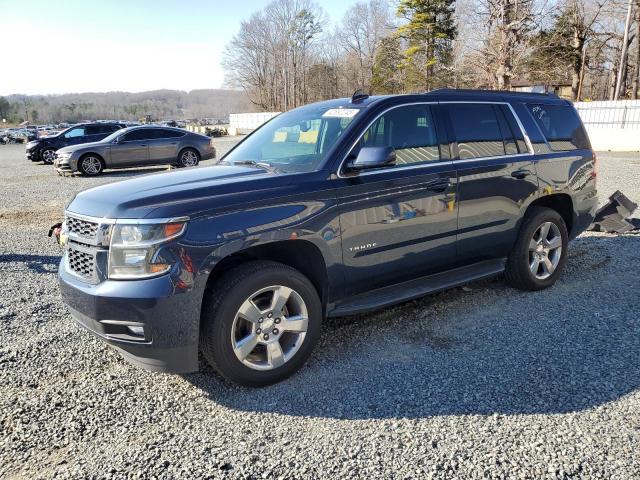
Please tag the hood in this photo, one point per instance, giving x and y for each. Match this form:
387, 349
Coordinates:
176, 193
80, 146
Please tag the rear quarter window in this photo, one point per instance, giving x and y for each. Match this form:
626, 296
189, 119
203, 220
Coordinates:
561, 127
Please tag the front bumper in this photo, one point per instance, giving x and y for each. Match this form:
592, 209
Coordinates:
169, 318
33, 155
65, 166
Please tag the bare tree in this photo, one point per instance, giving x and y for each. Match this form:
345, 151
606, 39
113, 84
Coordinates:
363, 27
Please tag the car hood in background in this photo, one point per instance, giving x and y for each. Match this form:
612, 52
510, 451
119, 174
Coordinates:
81, 146
184, 192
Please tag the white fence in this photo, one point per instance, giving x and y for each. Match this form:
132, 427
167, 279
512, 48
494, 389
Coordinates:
247, 122
612, 125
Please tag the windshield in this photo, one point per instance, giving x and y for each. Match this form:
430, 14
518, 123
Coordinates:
113, 136
295, 141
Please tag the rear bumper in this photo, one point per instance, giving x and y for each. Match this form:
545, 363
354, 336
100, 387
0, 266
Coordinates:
169, 319
583, 214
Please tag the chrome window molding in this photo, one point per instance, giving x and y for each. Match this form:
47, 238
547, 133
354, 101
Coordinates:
440, 162
126, 221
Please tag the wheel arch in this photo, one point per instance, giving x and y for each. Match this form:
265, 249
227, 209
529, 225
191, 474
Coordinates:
561, 203
300, 254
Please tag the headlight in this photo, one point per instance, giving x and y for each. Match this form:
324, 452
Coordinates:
134, 250
64, 155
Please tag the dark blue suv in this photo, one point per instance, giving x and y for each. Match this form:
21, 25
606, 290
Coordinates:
43, 149
331, 209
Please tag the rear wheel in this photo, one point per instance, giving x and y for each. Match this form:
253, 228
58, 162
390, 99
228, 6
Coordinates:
260, 323
188, 158
48, 155
90, 165
540, 252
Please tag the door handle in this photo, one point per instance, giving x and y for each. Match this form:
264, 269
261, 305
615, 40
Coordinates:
173, 143
143, 145
520, 174
438, 186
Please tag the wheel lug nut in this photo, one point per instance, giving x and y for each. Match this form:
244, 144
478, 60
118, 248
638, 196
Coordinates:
275, 331
260, 320
270, 315
266, 336
277, 320
258, 331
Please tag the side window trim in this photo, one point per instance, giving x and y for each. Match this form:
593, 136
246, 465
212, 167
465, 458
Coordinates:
434, 113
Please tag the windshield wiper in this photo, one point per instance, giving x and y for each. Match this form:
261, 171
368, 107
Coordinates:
253, 163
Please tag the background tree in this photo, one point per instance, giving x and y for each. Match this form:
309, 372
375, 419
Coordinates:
428, 31
364, 26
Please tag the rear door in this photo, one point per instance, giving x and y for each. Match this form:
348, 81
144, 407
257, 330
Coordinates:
163, 148
132, 149
496, 176
399, 222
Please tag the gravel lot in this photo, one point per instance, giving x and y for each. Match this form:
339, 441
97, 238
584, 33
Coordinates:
476, 382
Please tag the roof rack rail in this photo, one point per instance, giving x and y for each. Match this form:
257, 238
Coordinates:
490, 92
359, 96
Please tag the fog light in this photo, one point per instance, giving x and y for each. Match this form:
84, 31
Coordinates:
137, 331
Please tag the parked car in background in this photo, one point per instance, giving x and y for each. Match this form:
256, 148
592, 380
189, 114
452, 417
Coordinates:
136, 147
44, 149
331, 209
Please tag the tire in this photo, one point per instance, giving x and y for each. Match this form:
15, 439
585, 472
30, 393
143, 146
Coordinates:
188, 157
534, 263
47, 155
90, 165
224, 329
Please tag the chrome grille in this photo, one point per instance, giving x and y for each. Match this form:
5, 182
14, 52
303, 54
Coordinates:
83, 228
82, 263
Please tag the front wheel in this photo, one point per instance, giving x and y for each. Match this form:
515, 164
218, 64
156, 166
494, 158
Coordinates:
540, 252
188, 158
48, 155
90, 165
260, 323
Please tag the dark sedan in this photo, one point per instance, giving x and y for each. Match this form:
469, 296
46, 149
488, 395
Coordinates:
136, 147
44, 149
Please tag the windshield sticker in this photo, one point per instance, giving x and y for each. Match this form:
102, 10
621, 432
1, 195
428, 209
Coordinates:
340, 113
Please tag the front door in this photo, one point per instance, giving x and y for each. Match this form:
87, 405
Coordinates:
496, 176
399, 222
131, 149
74, 136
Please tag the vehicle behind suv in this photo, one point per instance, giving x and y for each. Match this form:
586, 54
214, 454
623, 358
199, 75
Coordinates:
331, 209
136, 147
43, 149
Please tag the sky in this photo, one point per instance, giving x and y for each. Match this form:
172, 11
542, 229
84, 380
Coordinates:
73, 46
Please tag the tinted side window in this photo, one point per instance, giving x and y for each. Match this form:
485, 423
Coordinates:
162, 133
410, 130
142, 134
477, 130
94, 129
561, 126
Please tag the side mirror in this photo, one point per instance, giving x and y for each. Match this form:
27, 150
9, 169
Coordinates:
119, 139
373, 157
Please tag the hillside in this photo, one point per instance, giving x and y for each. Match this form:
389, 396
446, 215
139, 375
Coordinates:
162, 104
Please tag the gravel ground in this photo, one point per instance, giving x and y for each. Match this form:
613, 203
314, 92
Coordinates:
477, 382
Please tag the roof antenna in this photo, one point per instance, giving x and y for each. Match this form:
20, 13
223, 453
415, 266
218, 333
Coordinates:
359, 96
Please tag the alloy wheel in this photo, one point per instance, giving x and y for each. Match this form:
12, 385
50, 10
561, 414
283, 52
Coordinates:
269, 327
91, 165
189, 158
545, 250
48, 156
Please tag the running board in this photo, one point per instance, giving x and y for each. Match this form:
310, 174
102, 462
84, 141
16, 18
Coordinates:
402, 292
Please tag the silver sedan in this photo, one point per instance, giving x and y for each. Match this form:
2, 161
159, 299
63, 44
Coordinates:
136, 147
